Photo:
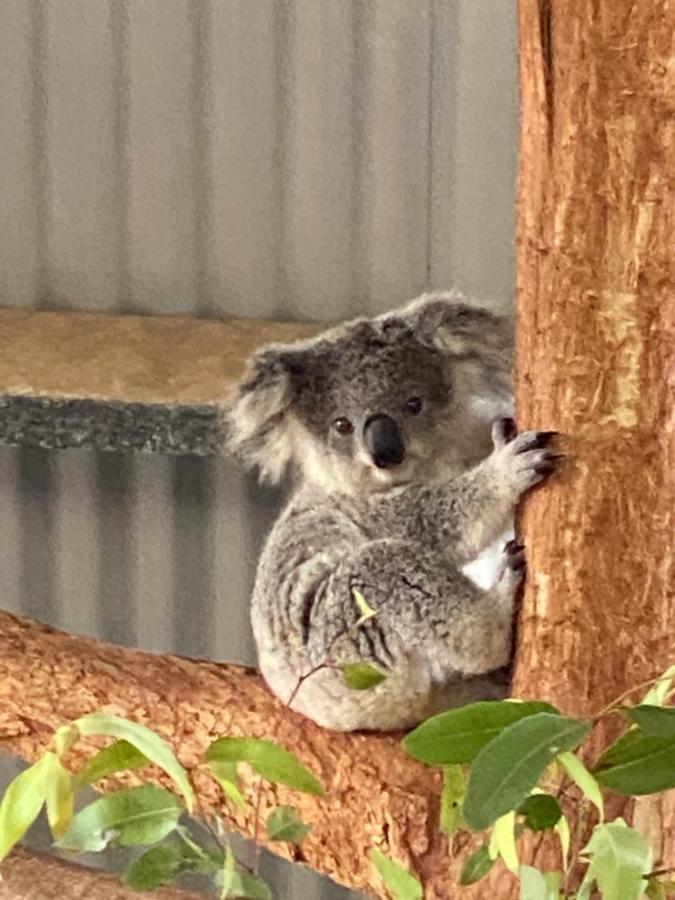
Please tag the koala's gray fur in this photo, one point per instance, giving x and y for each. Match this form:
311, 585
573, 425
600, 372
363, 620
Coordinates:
404, 533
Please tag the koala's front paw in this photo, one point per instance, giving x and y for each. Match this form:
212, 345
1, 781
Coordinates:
523, 459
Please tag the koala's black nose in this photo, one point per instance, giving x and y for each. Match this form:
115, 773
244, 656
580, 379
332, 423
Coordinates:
384, 441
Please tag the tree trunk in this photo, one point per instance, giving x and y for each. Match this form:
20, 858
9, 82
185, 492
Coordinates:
596, 354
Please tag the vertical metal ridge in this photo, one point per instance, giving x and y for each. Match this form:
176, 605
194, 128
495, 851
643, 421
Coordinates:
192, 550
431, 157
200, 21
359, 74
443, 134
40, 146
281, 53
119, 27
115, 493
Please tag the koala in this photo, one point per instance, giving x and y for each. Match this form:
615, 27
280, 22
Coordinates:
406, 469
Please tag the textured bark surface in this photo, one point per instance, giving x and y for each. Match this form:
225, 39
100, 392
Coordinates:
36, 876
596, 353
377, 795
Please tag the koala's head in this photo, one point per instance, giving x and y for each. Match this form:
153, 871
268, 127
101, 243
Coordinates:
405, 397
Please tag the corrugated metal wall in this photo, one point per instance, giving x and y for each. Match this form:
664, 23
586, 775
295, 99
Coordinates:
287, 158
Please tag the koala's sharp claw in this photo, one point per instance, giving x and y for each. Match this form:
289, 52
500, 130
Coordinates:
514, 558
512, 547
534, 440
504, 431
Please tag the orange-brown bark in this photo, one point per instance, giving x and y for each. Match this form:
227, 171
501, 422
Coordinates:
377, 795
596, 352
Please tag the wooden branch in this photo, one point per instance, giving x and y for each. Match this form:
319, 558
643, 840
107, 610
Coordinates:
377, 795
123, 382
27, 875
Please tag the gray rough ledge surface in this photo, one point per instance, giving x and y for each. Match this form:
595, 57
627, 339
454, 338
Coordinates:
110, 425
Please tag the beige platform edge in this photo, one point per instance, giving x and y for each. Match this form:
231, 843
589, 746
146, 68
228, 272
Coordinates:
172, 360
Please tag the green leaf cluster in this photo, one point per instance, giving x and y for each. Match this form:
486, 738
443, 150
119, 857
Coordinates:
148, 816
642, 761
508, 747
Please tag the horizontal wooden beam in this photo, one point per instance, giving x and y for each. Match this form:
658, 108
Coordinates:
123, 382
376, 794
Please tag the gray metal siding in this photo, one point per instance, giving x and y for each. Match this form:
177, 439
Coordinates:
289, 158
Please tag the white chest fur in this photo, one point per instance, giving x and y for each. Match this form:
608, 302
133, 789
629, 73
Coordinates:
485, 570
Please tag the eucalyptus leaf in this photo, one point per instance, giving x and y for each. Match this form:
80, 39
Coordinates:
59, 795
225, 773
476, 866
503, 841
583, 779
458, 735
638, 764
156, 867
398, 881
366, 611
228, 873
454, 788
554, 883
137, 815
120, 756
619, 861
562, 829
244, 886
534, 885
21, 804
654, 720
269, 759
506, 769
284, 824
658, 692
361, 676
541, 811
65, 737
146, 741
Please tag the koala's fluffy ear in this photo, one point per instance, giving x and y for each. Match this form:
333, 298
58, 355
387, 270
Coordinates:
257, 418
447, 322
477, 343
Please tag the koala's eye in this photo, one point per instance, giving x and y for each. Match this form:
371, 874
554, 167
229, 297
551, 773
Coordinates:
413, 406
343, 426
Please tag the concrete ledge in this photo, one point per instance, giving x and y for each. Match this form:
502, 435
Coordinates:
122, 382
